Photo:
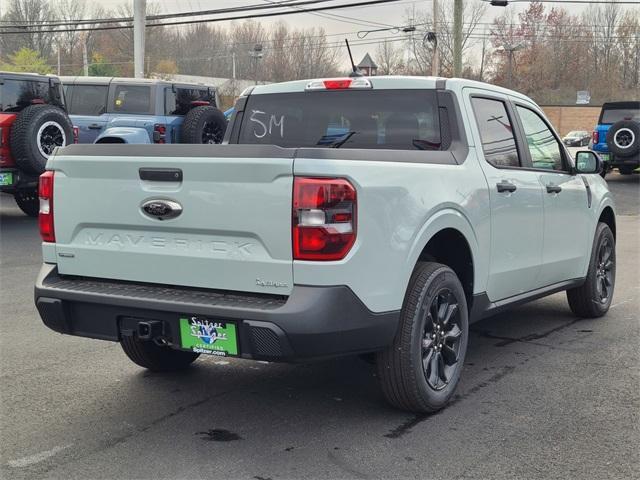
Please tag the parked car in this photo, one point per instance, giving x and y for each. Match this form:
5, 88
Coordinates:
131, 110
616, 138
341, 216
33, 122
577, 138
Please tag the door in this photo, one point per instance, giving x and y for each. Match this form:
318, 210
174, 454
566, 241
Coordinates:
516, 200
567, 236
88, 110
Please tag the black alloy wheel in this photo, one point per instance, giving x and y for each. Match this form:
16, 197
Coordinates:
605, 271
212, 133
441, 339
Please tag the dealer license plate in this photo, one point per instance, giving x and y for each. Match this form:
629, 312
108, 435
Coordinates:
211, 337
6, 178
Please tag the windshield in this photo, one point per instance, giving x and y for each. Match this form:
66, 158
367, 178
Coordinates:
371, 119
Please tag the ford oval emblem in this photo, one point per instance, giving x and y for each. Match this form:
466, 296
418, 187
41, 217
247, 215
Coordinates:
161, 209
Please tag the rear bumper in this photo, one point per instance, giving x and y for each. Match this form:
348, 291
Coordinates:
313, 322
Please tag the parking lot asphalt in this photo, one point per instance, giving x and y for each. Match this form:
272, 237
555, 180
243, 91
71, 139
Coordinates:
543, 395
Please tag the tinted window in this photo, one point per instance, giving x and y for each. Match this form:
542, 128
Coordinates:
132, 99
617, 114
543, 147
184, 99
16, 95
87, 99
380, 119
496, 132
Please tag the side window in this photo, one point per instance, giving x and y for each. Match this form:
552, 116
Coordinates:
544, 149
87, 99
496, 132
132, 99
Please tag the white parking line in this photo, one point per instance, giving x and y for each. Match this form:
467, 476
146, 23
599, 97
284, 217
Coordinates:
37, 458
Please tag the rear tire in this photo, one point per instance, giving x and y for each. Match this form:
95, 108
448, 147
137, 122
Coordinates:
154, 357
28, 202
204, 124
420, 371
593, 298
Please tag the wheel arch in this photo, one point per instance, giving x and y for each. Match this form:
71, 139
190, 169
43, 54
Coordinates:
449, 238
608, 216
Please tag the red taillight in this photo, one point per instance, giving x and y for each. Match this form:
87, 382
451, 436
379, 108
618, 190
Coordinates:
45, 219
159, 133
337, 84
595, 137
324, 218
76, 134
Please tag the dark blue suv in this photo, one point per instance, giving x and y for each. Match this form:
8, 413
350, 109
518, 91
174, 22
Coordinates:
617, 136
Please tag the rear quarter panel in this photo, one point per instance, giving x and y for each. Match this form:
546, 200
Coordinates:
401, 206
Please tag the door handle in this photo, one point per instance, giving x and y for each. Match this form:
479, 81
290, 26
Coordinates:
554, 188
506, 187
94, 126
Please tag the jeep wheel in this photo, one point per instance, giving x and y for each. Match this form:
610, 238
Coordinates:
593, 298
37, 131
28, 202
420, 370
623, 138
204, 124
154, 357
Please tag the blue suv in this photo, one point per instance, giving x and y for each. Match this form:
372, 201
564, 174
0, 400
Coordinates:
617, 136
132, 110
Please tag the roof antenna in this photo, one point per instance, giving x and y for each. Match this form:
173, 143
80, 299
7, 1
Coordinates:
354, 70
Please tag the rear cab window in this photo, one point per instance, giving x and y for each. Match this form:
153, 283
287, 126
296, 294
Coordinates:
131, 99
17, 94
362, 119
179, 100
612, 113
87, 99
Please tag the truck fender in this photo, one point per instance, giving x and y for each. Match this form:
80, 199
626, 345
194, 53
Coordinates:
448, 218
124, 135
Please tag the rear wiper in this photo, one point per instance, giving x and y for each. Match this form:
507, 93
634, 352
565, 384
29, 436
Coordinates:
339, 143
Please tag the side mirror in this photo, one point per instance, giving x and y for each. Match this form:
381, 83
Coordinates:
588, 162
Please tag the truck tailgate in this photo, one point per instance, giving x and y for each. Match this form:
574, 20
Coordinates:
233, 232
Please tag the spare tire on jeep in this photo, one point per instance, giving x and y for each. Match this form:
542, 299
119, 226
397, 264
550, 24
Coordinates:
623, 138
37, 130
203, 124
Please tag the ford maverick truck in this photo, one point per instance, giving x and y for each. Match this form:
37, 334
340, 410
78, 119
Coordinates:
340, 216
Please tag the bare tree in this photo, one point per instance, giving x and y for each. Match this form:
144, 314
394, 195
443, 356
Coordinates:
20, 12
389, 58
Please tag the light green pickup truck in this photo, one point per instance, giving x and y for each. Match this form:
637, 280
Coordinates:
340, 216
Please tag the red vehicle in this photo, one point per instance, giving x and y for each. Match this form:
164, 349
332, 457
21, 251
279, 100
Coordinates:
33, 122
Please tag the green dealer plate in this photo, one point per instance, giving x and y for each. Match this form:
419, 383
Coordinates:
6, 178
211, 337
604, 157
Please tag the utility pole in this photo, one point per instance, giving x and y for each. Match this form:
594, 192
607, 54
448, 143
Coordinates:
58, 50
85, 60
457, 38
139, 14
435, 61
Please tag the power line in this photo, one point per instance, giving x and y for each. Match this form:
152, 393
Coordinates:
209, 20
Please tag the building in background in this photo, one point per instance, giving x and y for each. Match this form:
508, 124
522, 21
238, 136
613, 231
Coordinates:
367, 66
